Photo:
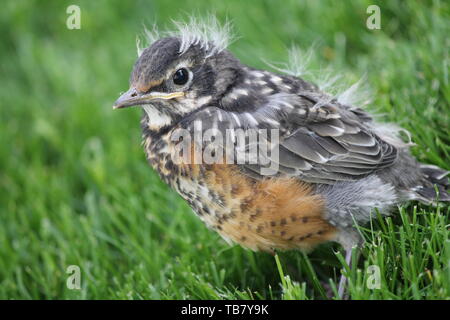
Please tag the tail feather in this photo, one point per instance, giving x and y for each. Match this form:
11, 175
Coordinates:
436, 187
435, 175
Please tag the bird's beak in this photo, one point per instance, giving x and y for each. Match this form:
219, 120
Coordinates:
133, 98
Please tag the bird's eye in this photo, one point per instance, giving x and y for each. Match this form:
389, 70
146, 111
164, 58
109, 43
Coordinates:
181, 76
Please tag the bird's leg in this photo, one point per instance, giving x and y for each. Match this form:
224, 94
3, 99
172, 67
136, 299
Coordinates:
343, 280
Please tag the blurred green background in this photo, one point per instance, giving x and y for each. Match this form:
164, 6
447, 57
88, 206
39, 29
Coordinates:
75, 188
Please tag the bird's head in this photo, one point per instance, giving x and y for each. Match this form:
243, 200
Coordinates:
179, 74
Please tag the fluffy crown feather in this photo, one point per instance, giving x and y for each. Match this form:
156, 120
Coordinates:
208, 33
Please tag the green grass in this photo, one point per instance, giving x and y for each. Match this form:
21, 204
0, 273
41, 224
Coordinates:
75, 188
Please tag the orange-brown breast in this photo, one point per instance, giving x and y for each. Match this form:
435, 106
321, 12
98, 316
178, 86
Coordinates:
267, 214
273, 213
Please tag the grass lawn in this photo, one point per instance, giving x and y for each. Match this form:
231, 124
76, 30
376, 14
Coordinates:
75, 188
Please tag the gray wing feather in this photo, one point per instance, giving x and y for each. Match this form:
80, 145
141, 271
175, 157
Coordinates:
319, 142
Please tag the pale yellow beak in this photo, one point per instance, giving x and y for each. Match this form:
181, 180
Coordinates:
133, 98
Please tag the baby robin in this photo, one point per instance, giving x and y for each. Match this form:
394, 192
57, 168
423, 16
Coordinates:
328, 165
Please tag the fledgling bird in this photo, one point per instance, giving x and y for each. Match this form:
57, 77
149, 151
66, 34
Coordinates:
335, 164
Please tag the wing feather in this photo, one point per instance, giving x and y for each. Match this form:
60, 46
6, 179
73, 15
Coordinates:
319, 142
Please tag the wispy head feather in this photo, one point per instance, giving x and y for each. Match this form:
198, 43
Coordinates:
208, 33
150, 35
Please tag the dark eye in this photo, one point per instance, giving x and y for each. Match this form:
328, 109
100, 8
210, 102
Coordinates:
181, 76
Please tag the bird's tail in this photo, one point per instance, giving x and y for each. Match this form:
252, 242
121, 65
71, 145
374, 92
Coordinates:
436, 186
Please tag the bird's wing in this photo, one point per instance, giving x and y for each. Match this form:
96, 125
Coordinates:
318, 141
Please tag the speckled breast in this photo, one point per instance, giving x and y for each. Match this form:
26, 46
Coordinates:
273, 213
